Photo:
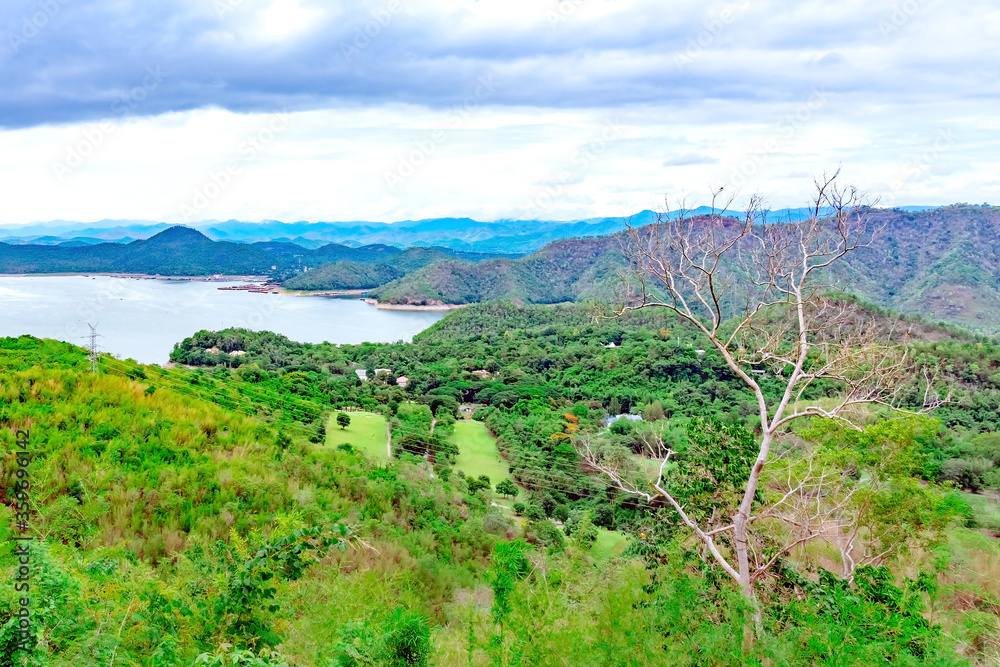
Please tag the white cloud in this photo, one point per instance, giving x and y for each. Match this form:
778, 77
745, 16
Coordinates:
706, 93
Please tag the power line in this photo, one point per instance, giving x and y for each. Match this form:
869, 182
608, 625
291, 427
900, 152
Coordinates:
544, 470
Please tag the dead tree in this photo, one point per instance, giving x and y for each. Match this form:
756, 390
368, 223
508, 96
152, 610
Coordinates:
754, 288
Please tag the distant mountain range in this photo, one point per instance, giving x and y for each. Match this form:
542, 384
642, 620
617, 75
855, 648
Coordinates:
464, 234
942, 263
181, 251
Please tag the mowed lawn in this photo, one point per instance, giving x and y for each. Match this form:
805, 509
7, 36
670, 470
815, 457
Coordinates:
366, 433
609, 543
477, 453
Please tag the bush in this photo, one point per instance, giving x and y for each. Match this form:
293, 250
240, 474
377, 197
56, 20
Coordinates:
546, 533
495, 524
604, 516
533, 512
404, 640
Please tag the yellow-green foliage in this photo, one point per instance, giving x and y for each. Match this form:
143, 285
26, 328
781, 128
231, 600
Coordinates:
145, 504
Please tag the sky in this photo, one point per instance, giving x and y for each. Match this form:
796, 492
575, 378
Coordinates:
188, 110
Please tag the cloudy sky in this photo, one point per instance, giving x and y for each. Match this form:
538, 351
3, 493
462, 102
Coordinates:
184, 110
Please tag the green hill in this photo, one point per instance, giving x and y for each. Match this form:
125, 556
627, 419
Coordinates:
943, 264
570, 270
172, 252
378, 270
188, 512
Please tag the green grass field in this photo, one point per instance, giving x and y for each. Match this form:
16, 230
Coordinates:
478, 455
366, 433
608, 544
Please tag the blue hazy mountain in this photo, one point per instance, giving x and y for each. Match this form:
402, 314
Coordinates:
460, 234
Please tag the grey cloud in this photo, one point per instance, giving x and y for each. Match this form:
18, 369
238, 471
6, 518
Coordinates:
90, 55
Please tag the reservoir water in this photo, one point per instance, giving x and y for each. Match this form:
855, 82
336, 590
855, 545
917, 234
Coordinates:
143, 319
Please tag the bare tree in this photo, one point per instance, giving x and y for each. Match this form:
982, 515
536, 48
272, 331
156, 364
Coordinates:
754, 288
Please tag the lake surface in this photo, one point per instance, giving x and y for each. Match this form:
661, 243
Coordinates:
143, 319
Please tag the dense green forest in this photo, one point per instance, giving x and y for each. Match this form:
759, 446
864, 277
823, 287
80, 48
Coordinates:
181, 251
196, 515
942, 264
366, 275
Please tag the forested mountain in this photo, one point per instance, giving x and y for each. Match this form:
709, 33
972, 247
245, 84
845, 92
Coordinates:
181, 251
175, 251
372, 271
942, 263
460, 234
570, 270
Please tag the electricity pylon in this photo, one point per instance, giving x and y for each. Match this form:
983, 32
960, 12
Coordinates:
93, 346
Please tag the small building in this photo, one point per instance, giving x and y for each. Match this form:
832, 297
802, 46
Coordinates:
383, 371
362, 374
402, 381
484, 374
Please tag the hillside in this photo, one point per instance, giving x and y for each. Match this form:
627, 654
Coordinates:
188, 512
370, 269
570, 270
172, 252
943, 264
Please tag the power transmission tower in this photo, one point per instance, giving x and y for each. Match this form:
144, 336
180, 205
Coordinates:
93, 346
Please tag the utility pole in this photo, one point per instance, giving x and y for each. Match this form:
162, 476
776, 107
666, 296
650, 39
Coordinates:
93, 346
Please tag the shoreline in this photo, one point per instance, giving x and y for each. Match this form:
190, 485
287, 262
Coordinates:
219, 278
440, 308
215, 278
326, 293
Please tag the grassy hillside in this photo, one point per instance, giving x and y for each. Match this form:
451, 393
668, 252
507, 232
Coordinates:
185, 512
366, 433
158, 516
477, 452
